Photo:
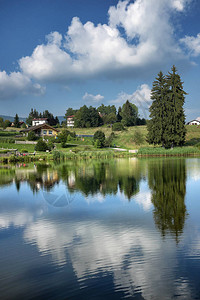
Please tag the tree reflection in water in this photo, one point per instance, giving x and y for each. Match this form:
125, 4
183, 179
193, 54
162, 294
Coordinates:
167, 180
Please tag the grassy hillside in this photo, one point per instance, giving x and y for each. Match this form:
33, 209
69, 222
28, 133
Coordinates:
123, 139
193, 135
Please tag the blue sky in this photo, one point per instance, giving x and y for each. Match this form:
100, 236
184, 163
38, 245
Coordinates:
67, 53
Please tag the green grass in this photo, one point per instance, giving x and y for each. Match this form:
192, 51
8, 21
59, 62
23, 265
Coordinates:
7, 133
193, 135
20, 147
124, 139
159, 151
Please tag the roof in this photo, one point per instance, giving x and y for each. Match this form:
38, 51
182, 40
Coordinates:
196, 120
33, 128
70, 116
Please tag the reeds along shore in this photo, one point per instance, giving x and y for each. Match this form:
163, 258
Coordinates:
177, 151
103, 154
62, 156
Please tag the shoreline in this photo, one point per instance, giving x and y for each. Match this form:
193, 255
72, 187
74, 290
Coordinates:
103, 154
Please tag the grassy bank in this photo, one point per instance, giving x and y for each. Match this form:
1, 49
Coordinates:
63, 156
125, 139
159, 151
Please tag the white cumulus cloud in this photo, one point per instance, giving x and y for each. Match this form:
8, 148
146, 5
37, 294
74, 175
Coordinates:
89, 51
139, 97
138, 38
16, 84
192, 44
92, 98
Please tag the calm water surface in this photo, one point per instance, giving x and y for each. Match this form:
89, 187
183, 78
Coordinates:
126, 228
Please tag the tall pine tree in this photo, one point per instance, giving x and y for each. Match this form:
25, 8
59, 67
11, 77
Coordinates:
129, 114
175, 130
16, 121
167, 123
157, 110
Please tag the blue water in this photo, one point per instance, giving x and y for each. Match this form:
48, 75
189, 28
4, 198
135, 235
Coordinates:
101, 230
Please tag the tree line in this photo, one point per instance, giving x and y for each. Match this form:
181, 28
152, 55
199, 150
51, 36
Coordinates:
86, 117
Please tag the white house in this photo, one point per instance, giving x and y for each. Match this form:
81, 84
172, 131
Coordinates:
39, 121
194, 122
70, 121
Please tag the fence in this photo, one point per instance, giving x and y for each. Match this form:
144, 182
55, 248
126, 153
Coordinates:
26, 142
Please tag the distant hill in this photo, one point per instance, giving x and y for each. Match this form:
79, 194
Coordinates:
61, 119
11, 119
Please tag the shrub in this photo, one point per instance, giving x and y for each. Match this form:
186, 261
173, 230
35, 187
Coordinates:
31, 136
109, 140
63, 136
100, 136
24, 151
118, 127
41, 146
50, 145
57, 155
97, 144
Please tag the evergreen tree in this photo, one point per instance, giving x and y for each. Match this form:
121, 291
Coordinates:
33, 114
167, 124
82, 117
95, 119
57, 120
157, 110
99, 137
175, 131
129, 114
87, 117
70, 112
16, 121
106, 110
119, 116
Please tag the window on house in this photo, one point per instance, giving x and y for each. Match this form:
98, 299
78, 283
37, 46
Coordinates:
44, 132
50, 131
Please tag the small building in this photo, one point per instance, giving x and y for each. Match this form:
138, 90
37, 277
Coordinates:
41, 130
194, 122
70, 121
39, 121
21, 123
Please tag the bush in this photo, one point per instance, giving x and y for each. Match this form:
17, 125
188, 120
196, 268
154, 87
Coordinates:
50, 145
64, 136
41, 146
57, 155
118, 127
109, 140
100, 136
97, 144
24, 151
31, 136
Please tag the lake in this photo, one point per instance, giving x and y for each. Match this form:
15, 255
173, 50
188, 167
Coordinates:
118, 229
